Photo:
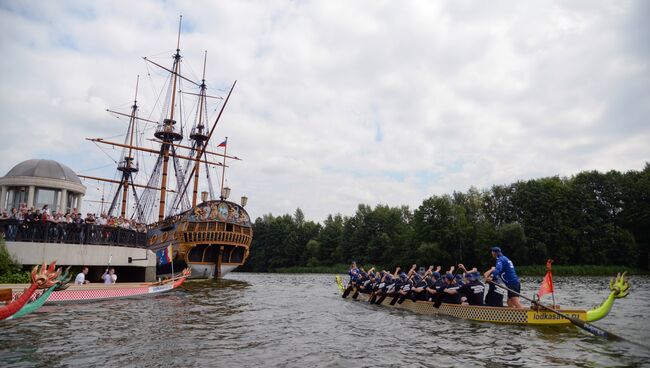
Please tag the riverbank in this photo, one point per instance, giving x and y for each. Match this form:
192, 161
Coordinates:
537, 270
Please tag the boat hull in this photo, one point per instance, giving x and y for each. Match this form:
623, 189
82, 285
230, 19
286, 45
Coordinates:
504, 315
199, 270
98, 292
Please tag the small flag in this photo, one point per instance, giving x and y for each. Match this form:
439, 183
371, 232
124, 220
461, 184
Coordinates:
223, 144
547, 283
165, 255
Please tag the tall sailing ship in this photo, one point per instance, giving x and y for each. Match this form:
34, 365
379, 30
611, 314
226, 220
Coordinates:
211, 236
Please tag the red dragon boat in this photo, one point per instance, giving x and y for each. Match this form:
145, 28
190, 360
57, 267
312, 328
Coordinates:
100, 292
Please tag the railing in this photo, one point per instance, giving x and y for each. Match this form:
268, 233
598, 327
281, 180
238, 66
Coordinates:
52, 232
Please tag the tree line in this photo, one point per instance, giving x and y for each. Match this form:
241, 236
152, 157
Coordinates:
591, 218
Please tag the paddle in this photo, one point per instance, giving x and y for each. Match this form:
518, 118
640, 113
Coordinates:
415, 294
384, 294
381, 299
347, 291
441, 291
398, 297
395, 298
580, 323
350, 287
110, 258
440, 296
356, 293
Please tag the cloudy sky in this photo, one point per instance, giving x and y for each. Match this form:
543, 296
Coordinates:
341, 102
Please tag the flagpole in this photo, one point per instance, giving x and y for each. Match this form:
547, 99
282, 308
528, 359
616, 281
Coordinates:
223, 167
548, 268
553, 293
172, 257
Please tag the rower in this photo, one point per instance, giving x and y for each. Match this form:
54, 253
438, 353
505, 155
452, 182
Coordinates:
459, 280
450, 289
382, 288
474, 289
433, 283
366, 286
505, 270
420, 284
494, 296
353, 272
354, 277
403, 284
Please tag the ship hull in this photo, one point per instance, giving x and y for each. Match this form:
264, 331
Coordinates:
212, 239
199, 270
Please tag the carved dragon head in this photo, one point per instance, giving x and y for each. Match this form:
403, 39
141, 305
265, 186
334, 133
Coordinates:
64, 279
620, 286
45, 276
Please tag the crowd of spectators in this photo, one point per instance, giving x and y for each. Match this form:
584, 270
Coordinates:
31, 215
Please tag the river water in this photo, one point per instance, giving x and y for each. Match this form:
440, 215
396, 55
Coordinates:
271, 320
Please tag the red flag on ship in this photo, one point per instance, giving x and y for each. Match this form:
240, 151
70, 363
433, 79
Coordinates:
547, 283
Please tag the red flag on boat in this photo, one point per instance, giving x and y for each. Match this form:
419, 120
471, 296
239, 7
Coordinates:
223, 144
547, 283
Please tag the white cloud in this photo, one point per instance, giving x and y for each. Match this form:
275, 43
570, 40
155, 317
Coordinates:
341, 103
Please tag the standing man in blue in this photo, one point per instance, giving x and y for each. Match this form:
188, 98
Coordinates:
505, 270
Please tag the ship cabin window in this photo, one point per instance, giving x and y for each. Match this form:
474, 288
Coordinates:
196, 253
202, 226
212, 226
229, 227
211, 254
237, 229
225, 255
237, 255
247, 231
221, 226
191, 226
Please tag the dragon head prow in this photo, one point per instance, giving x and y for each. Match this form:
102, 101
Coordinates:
64, 279
620, 286
46, 276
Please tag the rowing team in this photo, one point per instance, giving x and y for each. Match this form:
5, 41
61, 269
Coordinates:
430, 285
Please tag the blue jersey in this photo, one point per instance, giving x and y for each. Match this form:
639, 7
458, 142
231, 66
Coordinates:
354, 274
505, 271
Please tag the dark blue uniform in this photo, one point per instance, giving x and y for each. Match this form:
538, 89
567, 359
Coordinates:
449, 298
493, 298
473, 291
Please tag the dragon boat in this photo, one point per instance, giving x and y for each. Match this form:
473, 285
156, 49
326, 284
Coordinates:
45, 277
100, 292
619, 288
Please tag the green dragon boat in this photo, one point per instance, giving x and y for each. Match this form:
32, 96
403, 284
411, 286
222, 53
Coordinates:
619, 288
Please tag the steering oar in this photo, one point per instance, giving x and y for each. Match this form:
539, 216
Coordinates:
578, 322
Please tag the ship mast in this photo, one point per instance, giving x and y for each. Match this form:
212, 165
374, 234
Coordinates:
128, 169
169, 139
166, 132
198, 135
126, 165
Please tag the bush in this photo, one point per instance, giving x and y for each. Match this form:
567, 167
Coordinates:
11, 272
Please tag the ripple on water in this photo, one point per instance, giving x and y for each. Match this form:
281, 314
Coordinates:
300, 320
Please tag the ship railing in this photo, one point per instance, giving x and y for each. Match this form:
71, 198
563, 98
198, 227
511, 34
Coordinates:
57, 232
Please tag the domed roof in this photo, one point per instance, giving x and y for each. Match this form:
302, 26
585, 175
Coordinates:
44, 169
